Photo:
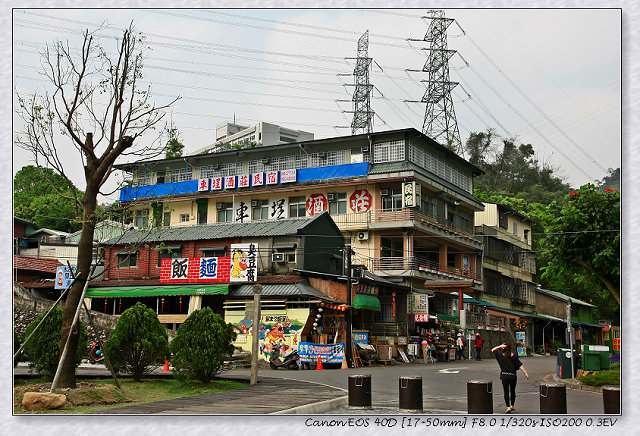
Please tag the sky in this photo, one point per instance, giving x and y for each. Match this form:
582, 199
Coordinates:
548, 77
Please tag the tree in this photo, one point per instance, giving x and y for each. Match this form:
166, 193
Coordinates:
46, 198
173, 147
611, 180
583, 241
138, 343
201, 344
44, 347
95, 106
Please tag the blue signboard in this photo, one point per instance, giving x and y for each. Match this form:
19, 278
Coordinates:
361, 337
64, 277
330, 353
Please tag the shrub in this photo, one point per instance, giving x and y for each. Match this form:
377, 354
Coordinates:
43, 348
139, 343
602, 378
201, 344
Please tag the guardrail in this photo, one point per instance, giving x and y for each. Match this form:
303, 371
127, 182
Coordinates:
419, 264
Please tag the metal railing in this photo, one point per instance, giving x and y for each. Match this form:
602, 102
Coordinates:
418, 263
409, 214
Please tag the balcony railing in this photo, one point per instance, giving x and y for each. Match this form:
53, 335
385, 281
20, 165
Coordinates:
408, 214
418, 263
485, 321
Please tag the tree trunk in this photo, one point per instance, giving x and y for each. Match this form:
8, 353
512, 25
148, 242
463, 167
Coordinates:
85, 256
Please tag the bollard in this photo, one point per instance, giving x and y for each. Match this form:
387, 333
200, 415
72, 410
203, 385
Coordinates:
553, 398
360, 391
611, 399
410, 394
479, 397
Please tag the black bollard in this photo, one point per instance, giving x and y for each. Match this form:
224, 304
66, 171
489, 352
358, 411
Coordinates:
410, 394
479, 397
611, 399
553, 398
360, 391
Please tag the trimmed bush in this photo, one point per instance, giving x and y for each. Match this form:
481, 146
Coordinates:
201, 344
43, 348
139, 343
601, 378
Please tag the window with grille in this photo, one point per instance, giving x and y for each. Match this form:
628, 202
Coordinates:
184, 217
388, 151
142, 218
178, 175
127, 260
393, 201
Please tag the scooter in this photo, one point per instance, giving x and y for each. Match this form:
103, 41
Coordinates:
290, 359
95, 354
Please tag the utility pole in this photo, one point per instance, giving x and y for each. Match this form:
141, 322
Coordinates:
349, 321
255, 339
570, 334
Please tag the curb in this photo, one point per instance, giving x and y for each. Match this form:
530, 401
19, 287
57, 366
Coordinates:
315, 408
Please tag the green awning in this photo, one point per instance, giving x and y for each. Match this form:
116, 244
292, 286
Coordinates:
448, 318
361, 301
153, 291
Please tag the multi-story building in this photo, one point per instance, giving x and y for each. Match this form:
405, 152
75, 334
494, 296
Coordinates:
403, 202
509, 265
264, 134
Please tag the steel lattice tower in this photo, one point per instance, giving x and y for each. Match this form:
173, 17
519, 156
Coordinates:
362, 114
440, 117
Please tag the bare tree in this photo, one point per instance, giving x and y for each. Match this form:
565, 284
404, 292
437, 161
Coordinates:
96, 104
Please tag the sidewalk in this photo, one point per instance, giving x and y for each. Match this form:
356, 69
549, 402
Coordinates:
268, 396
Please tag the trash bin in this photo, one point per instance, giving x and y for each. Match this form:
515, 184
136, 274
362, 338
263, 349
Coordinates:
590, 360
564, 363
360, 391
410, 394
611, 399
479, 397
384, 352
553, 398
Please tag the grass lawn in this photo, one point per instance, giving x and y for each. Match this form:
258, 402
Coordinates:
92, 395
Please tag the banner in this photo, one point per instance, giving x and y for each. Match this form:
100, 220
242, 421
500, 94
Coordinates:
329, 353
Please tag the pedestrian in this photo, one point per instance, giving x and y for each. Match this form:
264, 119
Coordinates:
460, 347
478, 345
509, 365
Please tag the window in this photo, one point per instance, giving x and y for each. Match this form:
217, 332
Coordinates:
297, 207
168, 253
526, 235
225, 212
166, 221
184, 217
388, 151
392, 201
142, 218
426, 206
515, 228
259, 210
391, 247
203, 208
214, 251
338, 206
128, 259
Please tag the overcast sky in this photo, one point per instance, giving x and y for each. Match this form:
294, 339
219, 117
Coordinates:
549, 77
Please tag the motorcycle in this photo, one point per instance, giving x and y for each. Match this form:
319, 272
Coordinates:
95, 354
290, 359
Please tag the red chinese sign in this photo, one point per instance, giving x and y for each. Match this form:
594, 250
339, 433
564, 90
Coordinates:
421, 317
316, 203
360, 201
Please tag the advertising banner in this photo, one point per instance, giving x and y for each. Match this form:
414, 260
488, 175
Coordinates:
329, 353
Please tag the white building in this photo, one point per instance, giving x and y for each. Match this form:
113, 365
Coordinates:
262, 133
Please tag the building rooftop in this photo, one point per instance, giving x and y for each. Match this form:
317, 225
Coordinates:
563, 297
35, 264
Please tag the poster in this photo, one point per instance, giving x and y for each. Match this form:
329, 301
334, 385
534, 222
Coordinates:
329, 353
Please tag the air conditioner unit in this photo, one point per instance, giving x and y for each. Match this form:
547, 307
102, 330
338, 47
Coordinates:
384, 192
363, 236
331, 196
277, 257
254, 203
219, 206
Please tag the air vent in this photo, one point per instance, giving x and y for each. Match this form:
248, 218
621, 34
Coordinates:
277, 257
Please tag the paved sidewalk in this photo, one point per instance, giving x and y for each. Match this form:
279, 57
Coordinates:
268, 396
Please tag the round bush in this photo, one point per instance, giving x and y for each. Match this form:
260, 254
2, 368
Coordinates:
201, 344
139, 343
44, 346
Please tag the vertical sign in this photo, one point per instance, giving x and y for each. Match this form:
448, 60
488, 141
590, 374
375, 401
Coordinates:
411, 194
244, 262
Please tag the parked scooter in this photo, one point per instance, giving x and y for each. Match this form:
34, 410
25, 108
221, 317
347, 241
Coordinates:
95, 354
290, 358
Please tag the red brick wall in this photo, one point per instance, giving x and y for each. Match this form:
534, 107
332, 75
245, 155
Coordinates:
147, 266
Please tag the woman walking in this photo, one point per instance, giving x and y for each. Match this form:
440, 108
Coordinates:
509, 365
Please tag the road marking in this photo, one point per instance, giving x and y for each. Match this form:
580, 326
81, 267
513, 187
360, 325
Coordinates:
451, 370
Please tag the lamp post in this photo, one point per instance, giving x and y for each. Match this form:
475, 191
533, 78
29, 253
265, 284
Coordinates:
349, 323
255, 339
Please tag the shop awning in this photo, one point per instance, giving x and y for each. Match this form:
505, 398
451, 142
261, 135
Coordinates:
447, 318
470, 300
361, 301
153, 291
